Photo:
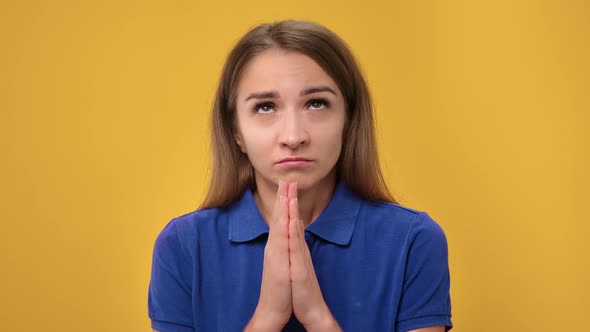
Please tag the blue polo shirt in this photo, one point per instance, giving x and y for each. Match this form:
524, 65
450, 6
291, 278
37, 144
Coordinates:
380, 266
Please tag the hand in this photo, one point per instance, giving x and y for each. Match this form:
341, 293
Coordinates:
308, 303
289, 284
274, 304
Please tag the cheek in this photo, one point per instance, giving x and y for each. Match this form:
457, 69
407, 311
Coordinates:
257, 144
330, 138
248, 133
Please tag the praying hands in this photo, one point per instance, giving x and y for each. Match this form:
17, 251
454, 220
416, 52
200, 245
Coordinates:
289, 284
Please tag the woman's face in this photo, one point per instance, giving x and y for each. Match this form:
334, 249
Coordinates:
289, 107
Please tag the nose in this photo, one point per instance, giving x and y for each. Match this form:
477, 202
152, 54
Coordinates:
293, 133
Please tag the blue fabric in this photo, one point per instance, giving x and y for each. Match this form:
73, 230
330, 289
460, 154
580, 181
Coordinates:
380, 266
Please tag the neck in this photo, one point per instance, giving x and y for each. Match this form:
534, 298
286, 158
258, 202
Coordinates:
312, 201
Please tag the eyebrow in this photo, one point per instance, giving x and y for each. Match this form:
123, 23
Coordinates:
311, 90
262, 95
275, 94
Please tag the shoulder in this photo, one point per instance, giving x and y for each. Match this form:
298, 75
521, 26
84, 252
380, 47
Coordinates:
400, 219
387, 210
181, 232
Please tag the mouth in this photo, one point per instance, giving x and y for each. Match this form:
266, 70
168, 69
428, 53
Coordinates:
288, 159
293, 162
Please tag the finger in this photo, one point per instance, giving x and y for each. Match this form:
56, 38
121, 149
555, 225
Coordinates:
293, 212
297, 245
294, 215
279, 231
294, 218
293, 231
283, 190
284, 209
292, 190
278, 234
276, 212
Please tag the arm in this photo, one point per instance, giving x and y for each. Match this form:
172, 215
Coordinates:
308, 302
274, 303
430, 329
170, 289
425, 299
288, 280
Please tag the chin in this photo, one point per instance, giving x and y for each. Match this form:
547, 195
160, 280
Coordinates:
301, 179
304, 181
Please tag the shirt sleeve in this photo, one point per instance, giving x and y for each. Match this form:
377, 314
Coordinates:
425, 298
170, 288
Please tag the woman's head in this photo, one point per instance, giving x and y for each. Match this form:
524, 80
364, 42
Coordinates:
264, 111
289, 120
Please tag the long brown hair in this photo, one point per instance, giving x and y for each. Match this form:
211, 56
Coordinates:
358, 164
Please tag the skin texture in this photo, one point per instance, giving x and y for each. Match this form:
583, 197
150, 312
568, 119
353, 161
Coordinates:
288, 122
276, 119
289, 284
307, 300
290, 125
426, 329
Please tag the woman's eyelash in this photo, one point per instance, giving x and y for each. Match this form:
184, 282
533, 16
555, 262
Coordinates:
323, 103
258, 106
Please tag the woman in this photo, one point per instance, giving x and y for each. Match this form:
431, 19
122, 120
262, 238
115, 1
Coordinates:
298, 231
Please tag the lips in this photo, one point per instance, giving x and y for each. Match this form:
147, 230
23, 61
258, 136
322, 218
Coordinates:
293, 159
294, 163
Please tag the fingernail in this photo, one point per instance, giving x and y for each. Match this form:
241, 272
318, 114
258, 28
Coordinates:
282, 199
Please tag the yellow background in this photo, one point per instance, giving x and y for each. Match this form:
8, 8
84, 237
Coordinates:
483, 115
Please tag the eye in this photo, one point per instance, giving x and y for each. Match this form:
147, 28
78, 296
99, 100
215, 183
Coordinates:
264, 108
318, 104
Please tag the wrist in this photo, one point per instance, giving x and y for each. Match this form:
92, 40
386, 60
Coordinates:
324, 322
261, 322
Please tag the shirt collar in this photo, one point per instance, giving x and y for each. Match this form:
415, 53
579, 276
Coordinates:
245, 221
335, 224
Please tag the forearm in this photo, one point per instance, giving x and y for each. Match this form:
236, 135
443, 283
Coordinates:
263, 323
325, 322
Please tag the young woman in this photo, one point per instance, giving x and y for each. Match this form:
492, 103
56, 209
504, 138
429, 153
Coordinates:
298, 231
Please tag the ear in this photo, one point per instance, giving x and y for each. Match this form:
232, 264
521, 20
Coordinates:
239, 140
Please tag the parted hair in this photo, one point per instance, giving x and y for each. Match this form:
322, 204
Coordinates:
358, 164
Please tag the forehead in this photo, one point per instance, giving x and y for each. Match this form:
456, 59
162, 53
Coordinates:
280, 69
